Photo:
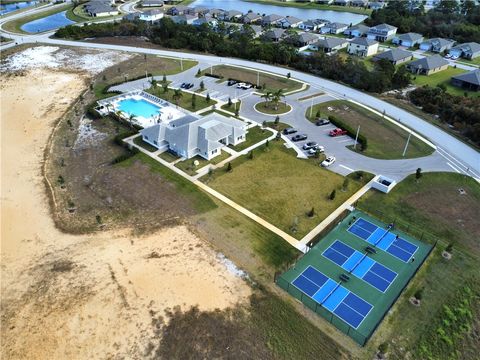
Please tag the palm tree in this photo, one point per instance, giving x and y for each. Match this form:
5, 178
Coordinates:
267, 96
276, 97
119, 114
154, 83
177, 95
131, 118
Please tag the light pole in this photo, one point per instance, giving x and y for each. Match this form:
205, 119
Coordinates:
356, 138
311, 108
258, 79
406, 145
181, 64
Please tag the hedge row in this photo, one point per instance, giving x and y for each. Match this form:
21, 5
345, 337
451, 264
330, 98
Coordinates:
362, 140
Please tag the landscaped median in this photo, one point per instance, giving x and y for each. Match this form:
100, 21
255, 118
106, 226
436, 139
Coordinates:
270, 108
384, 139
294, 195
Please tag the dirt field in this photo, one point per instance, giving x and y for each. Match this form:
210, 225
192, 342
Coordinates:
102, 295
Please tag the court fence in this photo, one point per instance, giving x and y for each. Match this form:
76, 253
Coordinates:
356, 335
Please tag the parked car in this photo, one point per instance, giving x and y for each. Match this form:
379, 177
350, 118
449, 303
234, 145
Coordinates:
337, 132
289, 131
183, 85
299, 137
231, 82
309, 145
328, 161
316, 149
189, 86
321, 122
454, 57
448, 56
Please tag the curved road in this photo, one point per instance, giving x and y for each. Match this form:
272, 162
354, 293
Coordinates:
461, 157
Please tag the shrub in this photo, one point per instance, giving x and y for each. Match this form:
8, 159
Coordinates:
333, 194
418, 294
311, 213
229, 167
449, 248
418, 173
383, 348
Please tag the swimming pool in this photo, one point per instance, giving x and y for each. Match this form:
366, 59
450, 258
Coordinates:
138, 107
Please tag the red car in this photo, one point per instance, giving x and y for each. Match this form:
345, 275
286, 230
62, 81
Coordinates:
338, 132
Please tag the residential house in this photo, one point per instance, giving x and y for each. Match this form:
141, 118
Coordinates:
230, 15
382, 32
356, 31
395, 56
408, 39
334, 28
324, 2
467, 50
99, 8
363, 47
205, 19
437, 45
468, 81
329, 45
303, 39
215, 12
198, 11
359, 3
184, 19
274, 35
151, 15
341, 2
152, 3
312, 25
193, 135
178, 10
376, 5
257, 30
251, 18
428, 65
290, 22
272, 20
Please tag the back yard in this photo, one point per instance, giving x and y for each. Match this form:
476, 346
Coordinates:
385, 140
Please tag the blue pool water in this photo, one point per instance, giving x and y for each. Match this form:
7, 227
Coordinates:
47, 23
6, 8
140, 107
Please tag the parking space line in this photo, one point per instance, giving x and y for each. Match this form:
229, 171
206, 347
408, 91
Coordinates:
346, 167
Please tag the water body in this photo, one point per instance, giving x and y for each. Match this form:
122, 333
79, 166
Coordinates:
304, 14
7, 8
47, 23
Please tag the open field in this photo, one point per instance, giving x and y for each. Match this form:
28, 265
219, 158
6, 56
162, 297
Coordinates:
189, 167
15, 25
270, 81
433, 206
254, 135
443, 77
268, 107
385, 140
308, 5
136, 67
281, 188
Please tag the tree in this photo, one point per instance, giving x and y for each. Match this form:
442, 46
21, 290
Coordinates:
333, 194
208, 98
199, 72
264, 124
418, 294
202, 85
99, 219
60, 180
237, 111
277, 120
164, 79
229, 167
267, 143
418, 174
131, 118
383, 348
267, 96
311, 213
229, 102
345, 184
194, 101
177, 95
289, 75
250, 155
449, 248
276, 97
165, 87
154, 83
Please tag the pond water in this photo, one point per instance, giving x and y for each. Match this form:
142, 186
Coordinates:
304, 14
6, 8
47, 23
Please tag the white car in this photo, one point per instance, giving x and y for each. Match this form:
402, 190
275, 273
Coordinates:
328, 161
448, 56
454, 57
314, 150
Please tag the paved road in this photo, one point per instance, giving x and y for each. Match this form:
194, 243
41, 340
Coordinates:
460, 156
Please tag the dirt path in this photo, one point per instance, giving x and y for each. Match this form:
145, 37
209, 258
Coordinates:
91, 296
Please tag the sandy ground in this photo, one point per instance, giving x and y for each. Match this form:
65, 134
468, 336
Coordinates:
96, 296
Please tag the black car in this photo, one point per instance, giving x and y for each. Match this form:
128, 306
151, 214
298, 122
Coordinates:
289, 131
310, 145
299, 137
231, 82
321, 122
183, 85
189, 86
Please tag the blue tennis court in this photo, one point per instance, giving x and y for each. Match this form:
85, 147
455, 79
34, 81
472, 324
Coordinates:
383, 239
360, 265
331, 295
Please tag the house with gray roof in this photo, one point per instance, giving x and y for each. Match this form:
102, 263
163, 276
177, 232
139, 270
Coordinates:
467, 50
437, 45
151, 15
359, 3
313, 25
230, 15
302, 39
341, 2
395, 56
362, 47
274, 34
329, 45
272, 20
356, 31
178, 10
469, 81
152, 3
408, 39
98, 8
257, 30
428, 65
382, 32
184, 19
194, 135
251, 18
334, 28
290, 22
215, 12
376, 5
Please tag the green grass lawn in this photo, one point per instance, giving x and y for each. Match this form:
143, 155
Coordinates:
254, 135
139, 141
271, 82
268, 107
443, 77
281, 188
385, 140
432, 209
185, 101
190, 168
15, 25
168, 156
232, 107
